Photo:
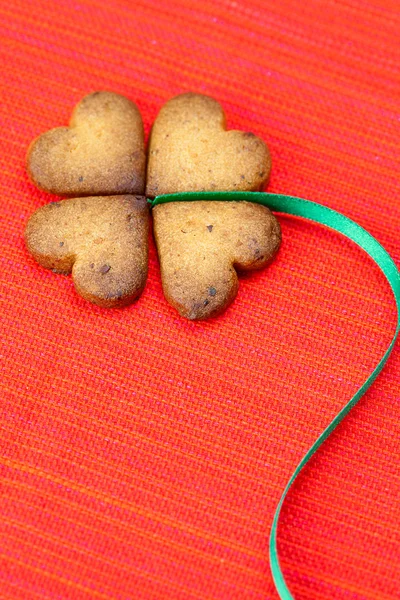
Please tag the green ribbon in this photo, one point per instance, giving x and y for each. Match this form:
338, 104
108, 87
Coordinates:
338, 222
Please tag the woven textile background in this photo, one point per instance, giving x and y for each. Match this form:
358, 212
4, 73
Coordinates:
142, 456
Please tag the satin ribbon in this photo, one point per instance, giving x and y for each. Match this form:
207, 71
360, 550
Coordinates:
338, 222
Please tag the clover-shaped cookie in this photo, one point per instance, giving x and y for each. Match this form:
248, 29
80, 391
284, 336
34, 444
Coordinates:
102, 240
201, 244
100, 153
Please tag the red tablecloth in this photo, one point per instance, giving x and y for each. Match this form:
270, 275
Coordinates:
142, 455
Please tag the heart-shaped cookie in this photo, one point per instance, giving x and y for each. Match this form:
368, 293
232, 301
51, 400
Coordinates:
101, 152
190, 150
103, 240
200, 244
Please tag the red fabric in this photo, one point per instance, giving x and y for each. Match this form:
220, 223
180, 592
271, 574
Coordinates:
142, 456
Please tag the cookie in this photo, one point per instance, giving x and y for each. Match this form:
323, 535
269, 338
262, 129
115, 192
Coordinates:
103, 240
100, 153
190, 150
200, 246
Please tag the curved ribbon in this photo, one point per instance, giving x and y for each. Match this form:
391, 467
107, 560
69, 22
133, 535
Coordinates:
338, 222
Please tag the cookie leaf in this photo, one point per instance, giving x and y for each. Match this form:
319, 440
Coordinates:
101, 152
102, 240
200, 246
190, 150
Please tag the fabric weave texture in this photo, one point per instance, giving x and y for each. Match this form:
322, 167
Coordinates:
142, 456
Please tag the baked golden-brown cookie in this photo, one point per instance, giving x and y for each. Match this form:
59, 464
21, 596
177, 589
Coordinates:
101, 152
103, 240
200, 246
190, 150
